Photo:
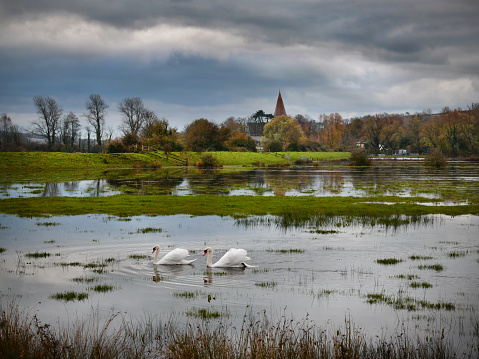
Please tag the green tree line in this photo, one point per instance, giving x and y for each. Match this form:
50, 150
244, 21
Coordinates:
454, 132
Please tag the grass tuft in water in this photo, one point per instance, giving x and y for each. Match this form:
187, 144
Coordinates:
186, 295
457, 254
436, 267
415, 258
85, 279
102, 288
38, 255
424, 285
2, 249
389, 261
284, 251
271, 284
138, 256
205, 313
47, 224
149, 230
70, 296
407, 276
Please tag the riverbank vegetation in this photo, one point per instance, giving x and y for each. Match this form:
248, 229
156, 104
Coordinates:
259, 336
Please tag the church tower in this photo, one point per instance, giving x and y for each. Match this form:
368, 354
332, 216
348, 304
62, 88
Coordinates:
279, 111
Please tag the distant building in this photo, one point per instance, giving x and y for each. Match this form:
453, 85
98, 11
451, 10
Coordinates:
280, 110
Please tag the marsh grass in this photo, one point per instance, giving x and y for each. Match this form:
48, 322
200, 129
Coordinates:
149, 230
271, 284
47, 224
323, 231
186, 295
407, 276
85, 279
102, 288
285, 251
389, 261
457, 254
416, 258
37, 255
436, 267
2, 249
205, 313
138, 256
411, 304
424, 285
70, 296
259, 336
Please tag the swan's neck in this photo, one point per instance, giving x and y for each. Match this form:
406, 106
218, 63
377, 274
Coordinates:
156, 255
209, 259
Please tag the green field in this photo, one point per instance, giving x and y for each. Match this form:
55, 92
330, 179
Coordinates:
34, 161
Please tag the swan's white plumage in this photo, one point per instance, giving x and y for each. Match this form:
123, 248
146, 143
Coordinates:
176, 256
235, 257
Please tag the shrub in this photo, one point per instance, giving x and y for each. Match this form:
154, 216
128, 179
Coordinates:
359, 158
116, 147
208, 161
436, 159
273, 146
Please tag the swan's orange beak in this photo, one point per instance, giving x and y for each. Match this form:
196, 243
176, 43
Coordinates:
154, 249
206, 251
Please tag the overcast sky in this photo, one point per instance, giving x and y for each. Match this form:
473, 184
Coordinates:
218, 58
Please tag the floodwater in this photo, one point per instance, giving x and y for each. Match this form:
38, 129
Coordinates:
393, 179
327, 274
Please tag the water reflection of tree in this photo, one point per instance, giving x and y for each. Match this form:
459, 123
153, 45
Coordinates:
284, 181
51, 190
146, 182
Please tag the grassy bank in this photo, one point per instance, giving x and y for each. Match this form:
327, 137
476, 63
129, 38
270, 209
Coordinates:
34, 161
294, 208
23, 336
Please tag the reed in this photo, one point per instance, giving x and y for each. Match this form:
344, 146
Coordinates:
259, 336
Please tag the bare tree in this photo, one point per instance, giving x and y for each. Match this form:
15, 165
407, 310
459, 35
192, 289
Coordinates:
49, 114
10, 136
134, 115
96, 114
70, 129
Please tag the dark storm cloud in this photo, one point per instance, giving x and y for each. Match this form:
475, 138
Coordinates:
355, 56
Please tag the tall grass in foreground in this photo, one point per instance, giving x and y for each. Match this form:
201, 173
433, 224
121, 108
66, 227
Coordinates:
23, 336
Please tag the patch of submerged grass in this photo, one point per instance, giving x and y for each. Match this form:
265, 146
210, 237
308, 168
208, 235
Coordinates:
2, 249
408, 276
102, 288
138, 256
435, 267
284, 251
415, 258
70, 264
47, 224
424, 285
49, 242
389, 261
271, 284
323, 231
70, 296
186, 295
149, 230
457, 254
407, 303
37, 255
85, 279
205, 313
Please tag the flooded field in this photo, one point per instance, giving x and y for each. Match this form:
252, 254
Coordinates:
392, 179
420, 277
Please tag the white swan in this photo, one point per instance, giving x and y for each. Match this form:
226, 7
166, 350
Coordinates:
235, 257
176, 256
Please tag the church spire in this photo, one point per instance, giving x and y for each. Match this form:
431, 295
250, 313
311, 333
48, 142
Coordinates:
279, 111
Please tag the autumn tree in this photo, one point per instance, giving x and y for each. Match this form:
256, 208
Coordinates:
332, 131
202, 135
96, 114
49, 114
286, 130
157, 132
